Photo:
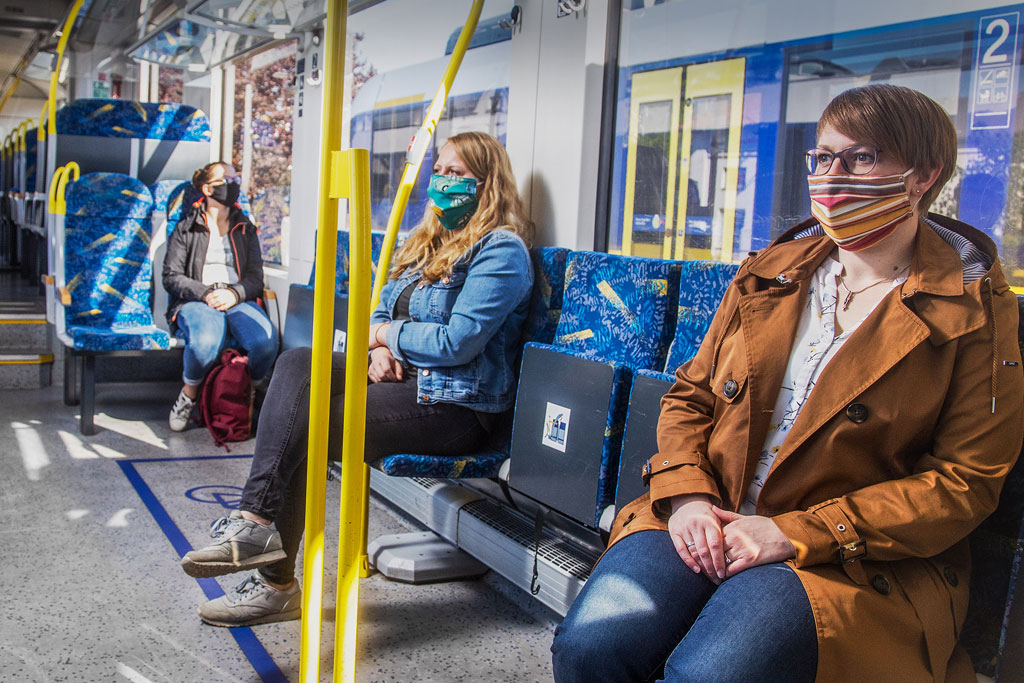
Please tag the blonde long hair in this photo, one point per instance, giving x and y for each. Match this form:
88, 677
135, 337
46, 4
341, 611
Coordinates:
431, 249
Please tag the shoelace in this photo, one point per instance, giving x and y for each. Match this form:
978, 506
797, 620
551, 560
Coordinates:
182, 404
217, 528
251, 584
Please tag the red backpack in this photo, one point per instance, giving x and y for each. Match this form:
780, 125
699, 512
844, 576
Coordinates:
225, 405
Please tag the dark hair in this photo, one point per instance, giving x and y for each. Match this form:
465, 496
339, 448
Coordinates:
203, 175
904, 123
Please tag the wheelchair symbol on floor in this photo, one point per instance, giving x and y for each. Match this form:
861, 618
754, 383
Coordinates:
218, 494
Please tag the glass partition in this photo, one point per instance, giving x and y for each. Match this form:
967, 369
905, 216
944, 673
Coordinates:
751, 86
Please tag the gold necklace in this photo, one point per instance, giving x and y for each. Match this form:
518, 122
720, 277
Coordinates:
851, 293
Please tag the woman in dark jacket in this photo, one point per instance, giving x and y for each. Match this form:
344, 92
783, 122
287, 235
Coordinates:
214, 280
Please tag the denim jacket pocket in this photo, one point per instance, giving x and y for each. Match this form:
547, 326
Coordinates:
444, 292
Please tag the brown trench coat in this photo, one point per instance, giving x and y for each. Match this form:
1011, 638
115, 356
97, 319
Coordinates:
895, 457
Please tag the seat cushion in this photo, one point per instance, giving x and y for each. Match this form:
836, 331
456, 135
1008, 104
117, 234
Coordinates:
477, 465
136, 338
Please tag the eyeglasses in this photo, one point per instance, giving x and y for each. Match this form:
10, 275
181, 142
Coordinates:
857, 160
233, 180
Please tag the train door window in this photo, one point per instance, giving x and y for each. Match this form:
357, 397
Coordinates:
710, 162
651, 163
401, 53
262, 142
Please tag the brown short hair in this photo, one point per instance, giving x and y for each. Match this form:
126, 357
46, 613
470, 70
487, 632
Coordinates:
203, 175
904, 123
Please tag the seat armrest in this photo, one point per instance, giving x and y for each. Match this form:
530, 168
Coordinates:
47, 280
65, 296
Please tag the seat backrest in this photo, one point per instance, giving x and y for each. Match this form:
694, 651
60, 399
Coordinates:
618, 308
31, 146
548, 291
702, 285
107, 266
995, 548
127, 119
168, 196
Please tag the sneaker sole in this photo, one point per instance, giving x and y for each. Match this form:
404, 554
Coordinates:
266, 619
205, 570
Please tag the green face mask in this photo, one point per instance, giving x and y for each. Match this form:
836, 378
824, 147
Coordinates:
454, 199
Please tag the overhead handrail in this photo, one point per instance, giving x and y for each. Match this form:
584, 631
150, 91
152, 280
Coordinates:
17, 82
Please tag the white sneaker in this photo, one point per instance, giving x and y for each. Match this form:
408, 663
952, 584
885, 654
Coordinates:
181, 412
253, 602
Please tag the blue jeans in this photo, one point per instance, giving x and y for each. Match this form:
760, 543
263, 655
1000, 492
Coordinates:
643, 612
207, 332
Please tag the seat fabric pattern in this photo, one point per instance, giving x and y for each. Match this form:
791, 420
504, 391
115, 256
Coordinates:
128, 119
997, 550
443, 467
107, 266
702, 285
341, 261
615, 308
547, 295
164, 191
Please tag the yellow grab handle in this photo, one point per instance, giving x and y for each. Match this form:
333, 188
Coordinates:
61, 205
51, 194
418, 149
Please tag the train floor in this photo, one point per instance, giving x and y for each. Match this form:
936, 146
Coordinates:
94, 527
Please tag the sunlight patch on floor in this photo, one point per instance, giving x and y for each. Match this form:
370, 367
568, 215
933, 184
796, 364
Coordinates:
33, 454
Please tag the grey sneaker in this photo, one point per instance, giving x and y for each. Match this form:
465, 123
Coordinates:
253, 602
240, 545
181, 412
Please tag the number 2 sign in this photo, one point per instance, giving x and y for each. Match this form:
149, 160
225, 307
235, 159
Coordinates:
995, 66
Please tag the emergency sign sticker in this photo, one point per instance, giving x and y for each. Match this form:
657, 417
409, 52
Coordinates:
556, 427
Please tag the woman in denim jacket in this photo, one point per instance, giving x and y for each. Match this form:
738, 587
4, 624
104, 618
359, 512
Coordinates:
443, 342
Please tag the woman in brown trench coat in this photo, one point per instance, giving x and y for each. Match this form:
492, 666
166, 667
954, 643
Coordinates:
848, 420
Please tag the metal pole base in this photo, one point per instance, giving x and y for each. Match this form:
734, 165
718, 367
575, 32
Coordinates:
422, 557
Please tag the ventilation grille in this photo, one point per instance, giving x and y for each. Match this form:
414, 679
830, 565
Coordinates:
558, 552
428, 483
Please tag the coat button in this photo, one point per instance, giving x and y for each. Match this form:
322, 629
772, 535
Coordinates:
880, 584
951, 576
730, 388
426, 373
424, 397
857, 412
420, 286
630, 518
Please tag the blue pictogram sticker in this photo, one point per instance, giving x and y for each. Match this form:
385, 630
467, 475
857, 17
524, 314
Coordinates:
228, 497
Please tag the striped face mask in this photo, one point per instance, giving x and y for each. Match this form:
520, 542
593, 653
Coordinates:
857, 211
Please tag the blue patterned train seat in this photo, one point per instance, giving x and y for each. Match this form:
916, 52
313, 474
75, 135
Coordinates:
341, 260
541, 321
702, 285
129, 119
108, 272
618, 316
31, 147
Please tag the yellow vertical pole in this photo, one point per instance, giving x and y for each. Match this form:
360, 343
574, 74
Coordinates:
62, 44
351, 175
323, 323
413, 161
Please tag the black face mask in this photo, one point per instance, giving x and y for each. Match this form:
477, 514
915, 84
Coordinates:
226, 193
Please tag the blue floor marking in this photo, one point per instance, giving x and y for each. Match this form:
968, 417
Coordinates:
251, 647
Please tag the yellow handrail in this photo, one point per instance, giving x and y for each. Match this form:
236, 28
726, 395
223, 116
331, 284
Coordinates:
418, 149
10, 92
323, 318
42, 120
60, 199
51, 193
62, 44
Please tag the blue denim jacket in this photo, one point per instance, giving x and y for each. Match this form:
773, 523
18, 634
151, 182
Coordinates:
464, 331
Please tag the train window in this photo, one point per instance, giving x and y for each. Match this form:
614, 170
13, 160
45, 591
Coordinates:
262, 141
399, 53
171, 84
748, 109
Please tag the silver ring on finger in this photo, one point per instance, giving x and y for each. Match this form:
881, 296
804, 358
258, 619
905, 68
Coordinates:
728, 560
690, 545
